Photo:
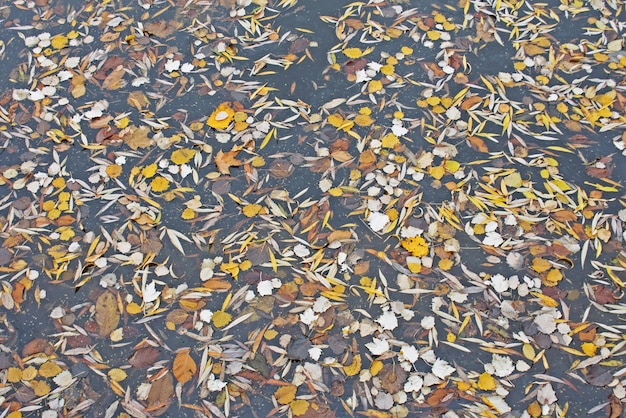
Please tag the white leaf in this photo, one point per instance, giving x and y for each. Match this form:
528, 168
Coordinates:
388, 320
546, 395
442, 369
377, 221
378, 347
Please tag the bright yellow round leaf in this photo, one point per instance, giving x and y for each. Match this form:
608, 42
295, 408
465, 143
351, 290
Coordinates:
221, 319
182, 155
159, 184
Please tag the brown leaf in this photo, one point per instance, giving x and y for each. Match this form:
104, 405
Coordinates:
392, 378
160, 28
564, 215
225, 160
477, 144
184, 366
138, 137
115, 79
161, 395
144, 357
107, 314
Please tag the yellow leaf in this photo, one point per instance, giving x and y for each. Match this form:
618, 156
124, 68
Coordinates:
253, 209
286, 394
299, 407
335, 191
437, 172
445, 264
528, 351
540, 264
534, 409
113, 170
29, 373
221, 319
133, 308
188, 214
589, 349
414, 264
184, 366
374, 86
335, 120
221, 117
49, 369
545, 300
14, 374
376, 367
58, 41
270, 334
353, 368
553, 277
452, 166
390, 140
182, 155
149, 171
15, 414
486, 381
159, 184
363, 120
117, 375
433, 35
513, 180
40, 387
353, 52
416, 246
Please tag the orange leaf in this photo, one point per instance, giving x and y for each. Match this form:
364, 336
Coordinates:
184, 366
225, 160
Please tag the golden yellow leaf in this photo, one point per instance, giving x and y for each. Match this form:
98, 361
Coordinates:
353, 52
159, 184
445, 264
221, 319
270, 334
113, 170
29, 373
188, 214
540, 264
49, 369
389, 140
433, 35
545, 300
437, 172
534, 409
253, 209
335, 120
59, 41
589, 349
376, 367
221, 117
299, 407
553, 277
486, 381
117, 375
286, 394
374, 86
14, 374
354, 367
40, 387
149, 171
335, 191
182, 156
184, 366
416, 246
15, 414
363, 120
133, 308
